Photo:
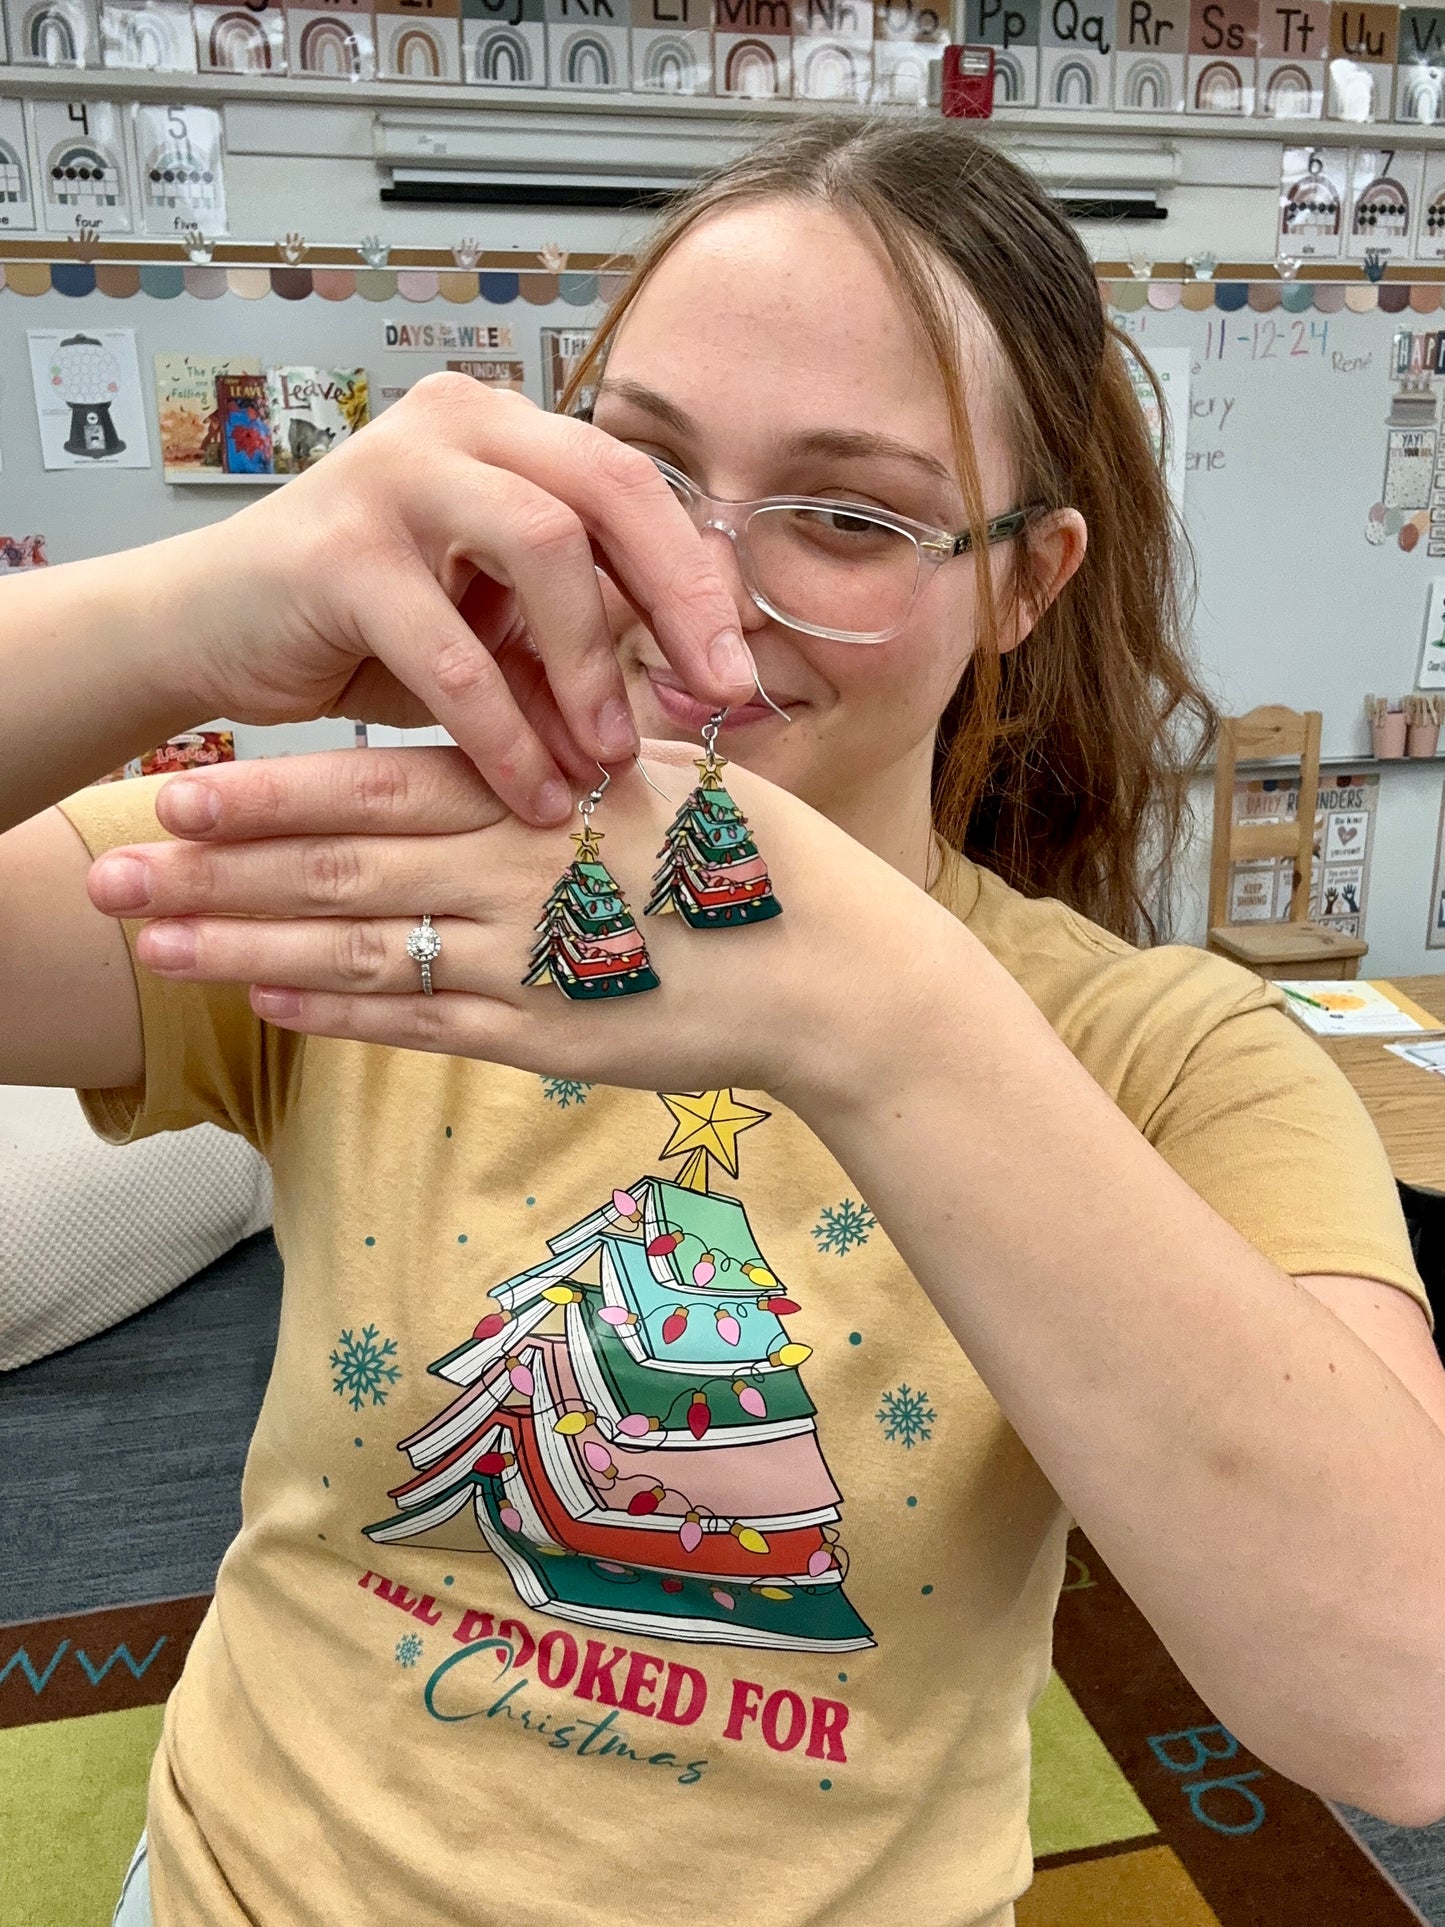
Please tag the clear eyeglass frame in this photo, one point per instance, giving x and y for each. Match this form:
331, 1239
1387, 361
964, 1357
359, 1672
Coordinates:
934, 546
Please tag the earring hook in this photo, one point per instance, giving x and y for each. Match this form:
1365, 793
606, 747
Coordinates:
768, 699
648, 780
718, 714
590, 802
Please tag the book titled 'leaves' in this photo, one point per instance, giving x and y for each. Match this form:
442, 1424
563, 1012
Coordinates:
312, 409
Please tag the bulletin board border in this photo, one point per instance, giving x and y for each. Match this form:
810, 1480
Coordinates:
122, 270
121, 275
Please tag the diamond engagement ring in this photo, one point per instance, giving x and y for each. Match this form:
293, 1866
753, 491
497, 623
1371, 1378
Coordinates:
422, 945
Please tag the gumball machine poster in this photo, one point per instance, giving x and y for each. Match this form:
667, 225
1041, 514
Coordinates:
88, 398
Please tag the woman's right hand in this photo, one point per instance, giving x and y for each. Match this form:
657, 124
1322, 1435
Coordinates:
441, 566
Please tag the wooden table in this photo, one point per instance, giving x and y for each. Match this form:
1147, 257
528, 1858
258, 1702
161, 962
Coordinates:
1406, 1103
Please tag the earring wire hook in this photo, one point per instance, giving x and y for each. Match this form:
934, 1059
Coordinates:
590, 802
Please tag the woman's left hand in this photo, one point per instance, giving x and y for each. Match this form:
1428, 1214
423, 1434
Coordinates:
317, 867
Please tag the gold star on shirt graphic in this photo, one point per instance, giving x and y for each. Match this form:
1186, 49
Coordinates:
706, 1124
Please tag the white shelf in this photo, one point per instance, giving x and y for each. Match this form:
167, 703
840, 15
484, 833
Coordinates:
205, 478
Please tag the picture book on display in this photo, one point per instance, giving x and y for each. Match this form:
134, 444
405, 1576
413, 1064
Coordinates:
245, 425
1355, 1008
312, 409
230, 415
186, 410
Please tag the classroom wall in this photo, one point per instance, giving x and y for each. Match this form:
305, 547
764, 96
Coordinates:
311, 168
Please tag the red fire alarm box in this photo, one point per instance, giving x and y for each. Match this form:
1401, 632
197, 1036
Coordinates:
967, 91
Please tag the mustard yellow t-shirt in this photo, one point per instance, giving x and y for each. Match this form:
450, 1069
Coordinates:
620, 1548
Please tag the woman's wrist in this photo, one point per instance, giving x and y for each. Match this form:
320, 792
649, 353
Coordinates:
878, 1009
95, 664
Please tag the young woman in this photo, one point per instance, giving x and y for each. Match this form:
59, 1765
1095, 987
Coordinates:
751, 1341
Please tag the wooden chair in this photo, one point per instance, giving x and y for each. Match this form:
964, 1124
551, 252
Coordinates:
1296, 948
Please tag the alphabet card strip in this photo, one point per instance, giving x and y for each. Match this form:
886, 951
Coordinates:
672, 46
419, 40
752, 48
246, 39
587, 45
1150, 55
1294, 44
154, 35
832, 49
908, 39
53, 33
1364, 41
1076, 54
331, 39
504, 42
1223, 44
1014, 29
1420, 73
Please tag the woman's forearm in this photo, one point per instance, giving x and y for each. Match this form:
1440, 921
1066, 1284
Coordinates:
94, 669
1260, 1482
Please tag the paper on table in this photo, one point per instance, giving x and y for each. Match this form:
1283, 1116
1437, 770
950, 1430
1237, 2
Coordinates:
1351, 1007
1428, 1057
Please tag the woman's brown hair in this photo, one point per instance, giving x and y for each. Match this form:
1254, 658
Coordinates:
1062, 765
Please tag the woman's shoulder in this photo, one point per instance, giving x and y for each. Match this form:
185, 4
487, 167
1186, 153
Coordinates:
1117, 1005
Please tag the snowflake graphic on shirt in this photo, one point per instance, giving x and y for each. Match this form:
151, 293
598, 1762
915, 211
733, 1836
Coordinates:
842, 1226
563, 1091
362, 1367
907, 1417
408, 1649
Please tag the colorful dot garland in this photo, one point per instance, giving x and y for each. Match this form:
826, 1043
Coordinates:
1129, 296
166, 280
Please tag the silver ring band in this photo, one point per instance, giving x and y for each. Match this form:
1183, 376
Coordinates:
422, 945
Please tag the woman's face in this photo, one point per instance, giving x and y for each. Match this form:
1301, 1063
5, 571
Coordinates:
769, 355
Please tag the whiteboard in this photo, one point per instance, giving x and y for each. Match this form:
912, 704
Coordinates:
1286, 456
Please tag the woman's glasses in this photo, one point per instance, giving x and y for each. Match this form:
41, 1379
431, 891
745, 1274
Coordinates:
837, 569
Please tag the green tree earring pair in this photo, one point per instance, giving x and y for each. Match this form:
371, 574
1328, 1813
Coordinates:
711, 874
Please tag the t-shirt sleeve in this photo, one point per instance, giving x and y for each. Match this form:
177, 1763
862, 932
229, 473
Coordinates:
1268, 1130
208, 1057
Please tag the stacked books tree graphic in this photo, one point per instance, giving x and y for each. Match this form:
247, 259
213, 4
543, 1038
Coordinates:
633, 1440
588, 943
711, 872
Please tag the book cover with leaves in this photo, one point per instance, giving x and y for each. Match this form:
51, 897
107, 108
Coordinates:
241, 408
312, 410
186, 410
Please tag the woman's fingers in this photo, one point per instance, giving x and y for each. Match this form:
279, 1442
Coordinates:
348, 955
623, 503
376, 792
310, 876
415, 629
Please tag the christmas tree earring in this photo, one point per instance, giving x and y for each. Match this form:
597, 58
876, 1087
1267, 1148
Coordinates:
711, 873
588, 942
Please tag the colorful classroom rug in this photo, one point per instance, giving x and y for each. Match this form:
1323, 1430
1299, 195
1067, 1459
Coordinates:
1145, 1813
